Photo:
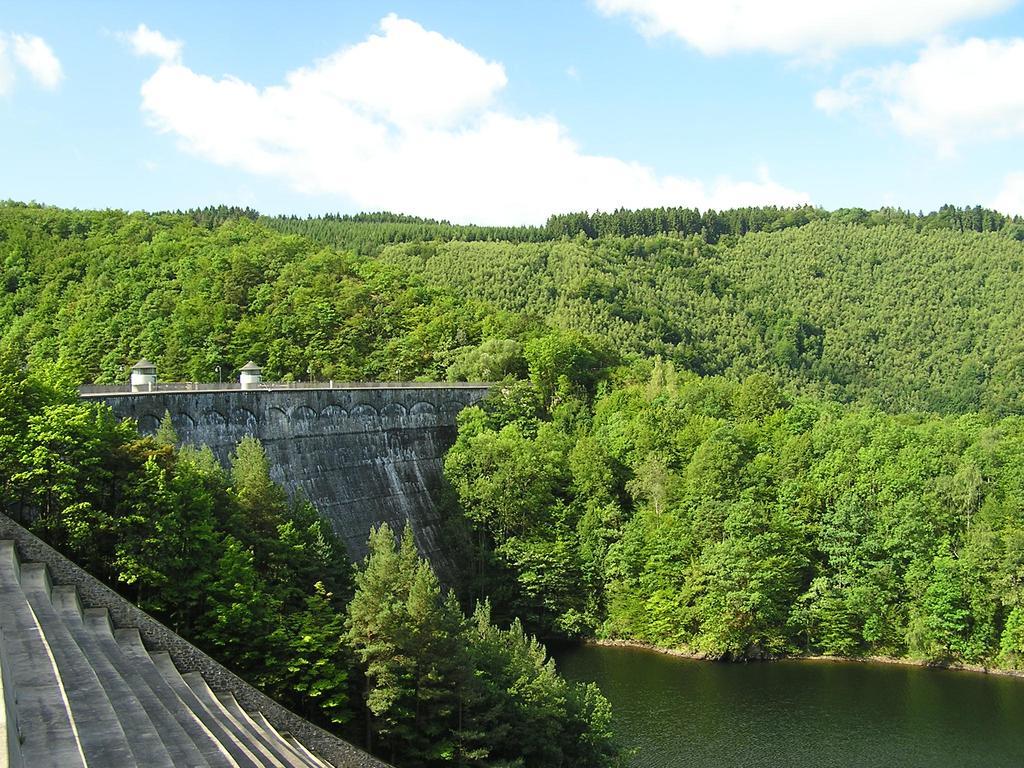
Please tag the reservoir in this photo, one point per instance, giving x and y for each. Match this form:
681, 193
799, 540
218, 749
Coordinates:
681, 713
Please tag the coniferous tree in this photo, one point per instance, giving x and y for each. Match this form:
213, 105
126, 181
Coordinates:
379, 631
166, 434
260, 498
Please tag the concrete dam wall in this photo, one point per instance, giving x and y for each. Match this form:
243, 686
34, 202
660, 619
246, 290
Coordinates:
362, 454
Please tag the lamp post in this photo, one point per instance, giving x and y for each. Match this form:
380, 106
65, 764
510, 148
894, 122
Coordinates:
220, 379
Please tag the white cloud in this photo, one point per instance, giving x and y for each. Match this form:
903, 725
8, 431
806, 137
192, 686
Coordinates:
836, 100
814, 28
148, 42
953, 93
407, 121
31, 54
34, 55
1010, 199
407, 75
572, 73
859, 88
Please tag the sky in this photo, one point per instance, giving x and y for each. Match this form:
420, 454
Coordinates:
506, 112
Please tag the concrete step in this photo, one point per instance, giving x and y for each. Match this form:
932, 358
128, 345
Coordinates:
269, 737
10, 733
49, 738
103, 739
180, 748
203, 692
310, 759
144, 740
301, 749
242, 753
130, 643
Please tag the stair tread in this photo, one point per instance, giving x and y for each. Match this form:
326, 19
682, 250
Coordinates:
301, 748
48, 731
227, 736
268, 736
131, 646
204, 693
177, 744
104, 741
297, 746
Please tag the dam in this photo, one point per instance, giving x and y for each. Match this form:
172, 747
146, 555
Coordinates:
361, 453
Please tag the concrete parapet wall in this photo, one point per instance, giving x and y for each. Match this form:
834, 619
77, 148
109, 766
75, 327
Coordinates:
362, 454
186, 656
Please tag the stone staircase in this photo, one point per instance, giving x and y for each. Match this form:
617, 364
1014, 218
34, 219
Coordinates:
77, 692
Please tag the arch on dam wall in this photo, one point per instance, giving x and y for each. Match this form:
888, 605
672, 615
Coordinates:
452, 407
303, 421
276, 416
422, 408
212, 418
333, 413
148, 422
393, 411
363, 412
243, 417
303, 413
182, 422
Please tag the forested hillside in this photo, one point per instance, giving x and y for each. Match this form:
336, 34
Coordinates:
904, 319
368, 232
89, 291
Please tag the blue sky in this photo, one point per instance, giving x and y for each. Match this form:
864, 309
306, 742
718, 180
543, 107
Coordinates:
505, 112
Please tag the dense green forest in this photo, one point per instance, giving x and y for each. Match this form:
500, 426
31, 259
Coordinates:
726, 519
369, 232
743, 434
903, 319
87, 291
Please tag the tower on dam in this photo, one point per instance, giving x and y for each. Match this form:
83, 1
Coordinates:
361, 453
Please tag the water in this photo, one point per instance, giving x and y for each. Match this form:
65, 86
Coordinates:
681, 713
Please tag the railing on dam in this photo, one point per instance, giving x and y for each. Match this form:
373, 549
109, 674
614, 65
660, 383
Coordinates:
107, 390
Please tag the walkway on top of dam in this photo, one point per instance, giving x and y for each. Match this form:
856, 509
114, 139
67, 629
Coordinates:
194, 387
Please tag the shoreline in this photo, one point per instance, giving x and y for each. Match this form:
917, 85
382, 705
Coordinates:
891, 660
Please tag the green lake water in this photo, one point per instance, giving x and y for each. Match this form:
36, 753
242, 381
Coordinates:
675, 713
